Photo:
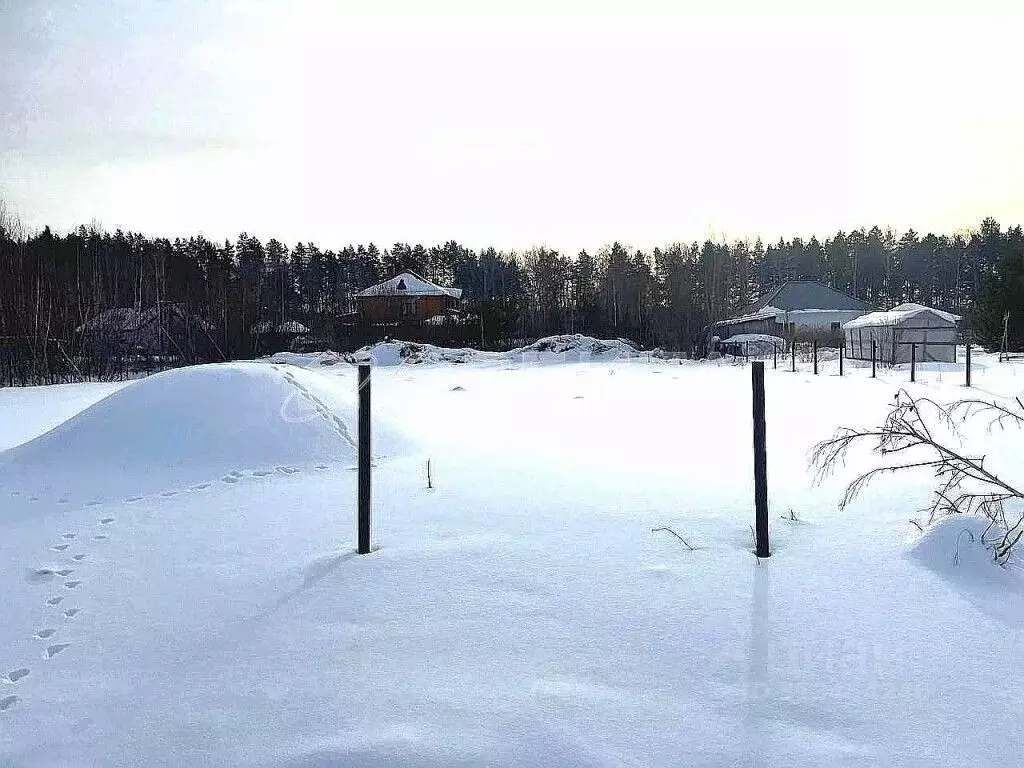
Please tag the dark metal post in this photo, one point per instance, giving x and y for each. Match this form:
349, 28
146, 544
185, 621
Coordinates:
815, 358
760, 463
968, 368
775, 356
792, 350
841, 349
874, 355
364, 459
913, 362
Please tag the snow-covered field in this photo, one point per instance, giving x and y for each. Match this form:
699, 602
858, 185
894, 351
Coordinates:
179, 585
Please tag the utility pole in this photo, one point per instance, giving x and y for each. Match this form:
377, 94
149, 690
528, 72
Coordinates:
855, 274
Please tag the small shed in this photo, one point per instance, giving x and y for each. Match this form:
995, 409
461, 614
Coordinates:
895, 331
279, 337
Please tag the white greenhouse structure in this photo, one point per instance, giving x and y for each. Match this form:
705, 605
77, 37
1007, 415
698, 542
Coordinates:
897, 331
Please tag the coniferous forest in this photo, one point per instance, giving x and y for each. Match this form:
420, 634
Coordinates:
664, 297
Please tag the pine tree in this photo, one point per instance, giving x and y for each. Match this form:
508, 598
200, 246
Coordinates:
1002, 294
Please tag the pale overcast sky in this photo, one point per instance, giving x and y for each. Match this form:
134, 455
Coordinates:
512, 124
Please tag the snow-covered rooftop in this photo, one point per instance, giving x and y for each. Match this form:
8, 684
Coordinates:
121, 319
410, 284
898, 314
287, 327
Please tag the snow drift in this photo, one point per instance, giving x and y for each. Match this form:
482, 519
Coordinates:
959, 547
194, 423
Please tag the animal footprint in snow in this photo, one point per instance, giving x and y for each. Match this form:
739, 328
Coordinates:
262, 473
229, 479
70, 613
65, 572
107, 520
62, 500
168, 494
72, 584
40, 575
132, 499
67, 536
100, 537
54, 600
16, 675
200, 487
60, 547
93, 503
53, 650
458, 389
42, 634
78, 558
7, 702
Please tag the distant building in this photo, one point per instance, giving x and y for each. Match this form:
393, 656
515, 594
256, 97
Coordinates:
278, 337
896, 331
407, 297
797, 307
164, 331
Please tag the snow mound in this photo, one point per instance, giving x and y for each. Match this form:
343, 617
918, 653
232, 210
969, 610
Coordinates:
305, 359
960, 547
551, 349
388, 353
191, 424
580, 347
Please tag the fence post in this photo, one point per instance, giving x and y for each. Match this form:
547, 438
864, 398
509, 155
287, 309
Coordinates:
760, 462
364, 459
792, 351
841, 359
815, 358
913, 362
775, 356
968, 366
874, 355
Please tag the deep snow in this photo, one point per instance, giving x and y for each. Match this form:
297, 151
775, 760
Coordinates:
187, 425
520, 613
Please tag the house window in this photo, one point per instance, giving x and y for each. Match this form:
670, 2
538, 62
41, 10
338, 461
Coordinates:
408, 308
401, 285
835, 327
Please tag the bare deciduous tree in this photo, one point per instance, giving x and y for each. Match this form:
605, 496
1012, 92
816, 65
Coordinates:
921, 433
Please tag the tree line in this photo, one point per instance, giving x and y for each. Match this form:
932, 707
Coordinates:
664, 297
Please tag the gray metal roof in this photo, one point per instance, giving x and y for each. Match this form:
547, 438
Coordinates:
806, 294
